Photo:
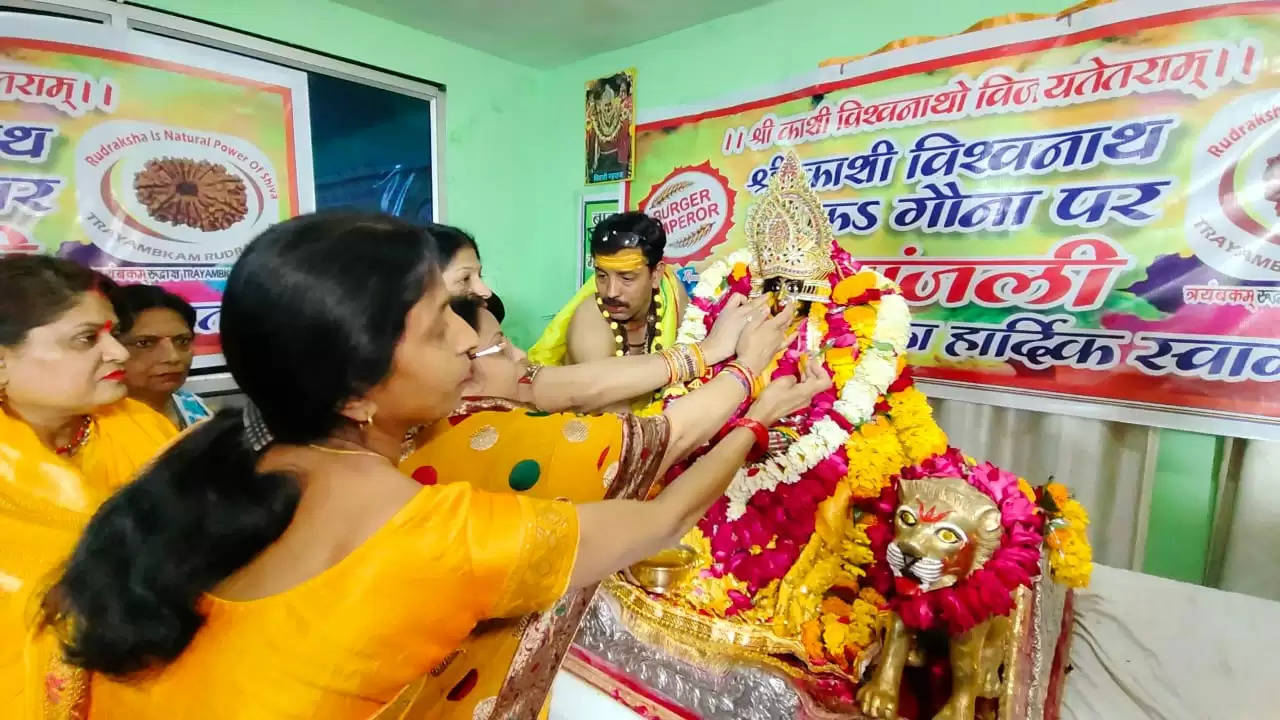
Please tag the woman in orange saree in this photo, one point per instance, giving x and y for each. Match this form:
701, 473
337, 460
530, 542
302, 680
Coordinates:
68, 439
502, 445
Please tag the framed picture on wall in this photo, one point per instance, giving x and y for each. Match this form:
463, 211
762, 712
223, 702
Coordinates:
611, 127
592, 208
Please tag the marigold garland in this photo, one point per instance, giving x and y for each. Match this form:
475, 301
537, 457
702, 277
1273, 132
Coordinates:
1070, 555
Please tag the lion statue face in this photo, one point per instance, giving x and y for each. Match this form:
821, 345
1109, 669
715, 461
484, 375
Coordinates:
944, 529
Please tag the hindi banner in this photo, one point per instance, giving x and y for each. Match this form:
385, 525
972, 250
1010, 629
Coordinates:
1082, 210
151, 160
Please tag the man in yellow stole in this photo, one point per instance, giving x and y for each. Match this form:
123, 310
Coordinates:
637, 300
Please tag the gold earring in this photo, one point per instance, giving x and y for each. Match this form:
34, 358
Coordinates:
364, 424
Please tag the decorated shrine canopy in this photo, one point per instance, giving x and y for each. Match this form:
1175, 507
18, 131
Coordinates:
1084, 212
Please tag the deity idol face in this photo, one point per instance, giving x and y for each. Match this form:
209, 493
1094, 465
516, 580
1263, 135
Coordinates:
608, 112
944, 529
787, 290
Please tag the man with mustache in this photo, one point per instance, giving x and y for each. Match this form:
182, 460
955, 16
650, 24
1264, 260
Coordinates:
637, 300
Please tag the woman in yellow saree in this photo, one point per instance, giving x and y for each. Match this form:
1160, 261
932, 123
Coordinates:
274, 563
68, 439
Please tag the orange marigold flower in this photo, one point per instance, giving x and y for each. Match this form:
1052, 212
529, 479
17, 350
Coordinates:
852, 287
839, 355
836, 606
860, 316
1026, 489
1059, 492
739, 271
811, 636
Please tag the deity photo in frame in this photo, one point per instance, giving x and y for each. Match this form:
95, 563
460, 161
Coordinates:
611, 127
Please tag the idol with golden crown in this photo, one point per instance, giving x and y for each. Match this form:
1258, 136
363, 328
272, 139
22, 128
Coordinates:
883, 573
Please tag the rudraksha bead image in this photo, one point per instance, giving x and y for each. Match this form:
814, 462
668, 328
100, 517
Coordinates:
195, 193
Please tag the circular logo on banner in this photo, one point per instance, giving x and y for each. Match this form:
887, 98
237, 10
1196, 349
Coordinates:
1233, 210
157, 194
695, 207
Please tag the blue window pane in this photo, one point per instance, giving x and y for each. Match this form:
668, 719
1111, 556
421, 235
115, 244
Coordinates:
371, 148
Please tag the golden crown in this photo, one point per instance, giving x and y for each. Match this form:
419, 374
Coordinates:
789, 235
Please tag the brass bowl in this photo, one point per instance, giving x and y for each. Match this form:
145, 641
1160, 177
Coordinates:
664, 571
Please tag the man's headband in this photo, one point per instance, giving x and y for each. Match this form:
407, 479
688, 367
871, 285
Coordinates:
627, 259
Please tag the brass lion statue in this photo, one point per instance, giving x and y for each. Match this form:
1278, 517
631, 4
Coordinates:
960, 547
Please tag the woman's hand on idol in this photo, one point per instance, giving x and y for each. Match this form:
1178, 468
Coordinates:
786, 395
722, 341
765, 336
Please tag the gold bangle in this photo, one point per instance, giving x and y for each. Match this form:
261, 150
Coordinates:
698, 357
690, 365
670, 356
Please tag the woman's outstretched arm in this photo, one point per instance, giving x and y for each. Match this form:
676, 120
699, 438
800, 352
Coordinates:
617, 533
596, 385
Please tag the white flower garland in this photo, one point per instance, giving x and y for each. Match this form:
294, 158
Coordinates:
692, 326
875, 370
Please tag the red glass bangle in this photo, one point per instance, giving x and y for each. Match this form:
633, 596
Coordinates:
761, 433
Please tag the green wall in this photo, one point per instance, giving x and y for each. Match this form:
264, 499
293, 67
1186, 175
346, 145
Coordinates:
514, 153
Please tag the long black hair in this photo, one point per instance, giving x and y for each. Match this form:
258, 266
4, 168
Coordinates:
311, 316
